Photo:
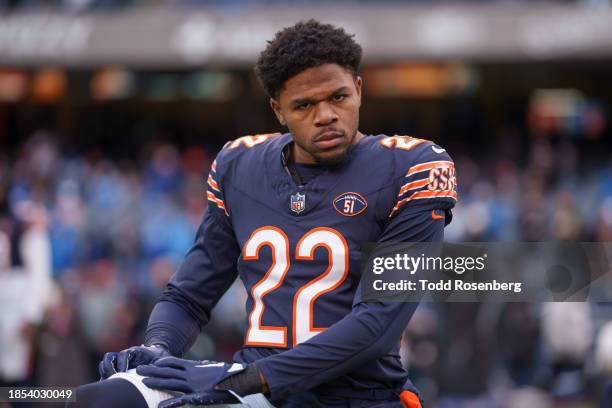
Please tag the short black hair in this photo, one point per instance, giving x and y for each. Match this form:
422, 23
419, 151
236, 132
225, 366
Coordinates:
305, 45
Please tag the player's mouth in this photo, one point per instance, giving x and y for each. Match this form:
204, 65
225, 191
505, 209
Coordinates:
329, 139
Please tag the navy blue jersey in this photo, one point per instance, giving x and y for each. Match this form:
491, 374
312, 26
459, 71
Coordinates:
296, 248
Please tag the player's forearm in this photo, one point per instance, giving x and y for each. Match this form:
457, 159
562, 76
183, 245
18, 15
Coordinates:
367, 334
171, 326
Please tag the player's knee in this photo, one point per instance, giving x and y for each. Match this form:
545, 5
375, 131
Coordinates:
115, 392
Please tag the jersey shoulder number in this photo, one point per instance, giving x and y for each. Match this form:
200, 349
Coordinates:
406, 143
425, 170
250, 141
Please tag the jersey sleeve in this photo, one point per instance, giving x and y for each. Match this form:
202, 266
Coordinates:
425, 180
213, 193
372, 328
207, 271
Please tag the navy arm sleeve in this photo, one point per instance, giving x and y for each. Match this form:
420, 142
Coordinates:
207, 271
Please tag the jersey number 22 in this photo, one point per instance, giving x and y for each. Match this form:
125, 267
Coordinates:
303, 301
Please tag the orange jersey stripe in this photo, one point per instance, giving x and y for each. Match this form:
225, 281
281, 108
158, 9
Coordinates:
430, 194
221, 206
214, 166
413, 185
211, 197
428, 166
212, 183
397, 206
424, 194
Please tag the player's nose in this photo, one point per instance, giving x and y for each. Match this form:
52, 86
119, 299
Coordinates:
325, 114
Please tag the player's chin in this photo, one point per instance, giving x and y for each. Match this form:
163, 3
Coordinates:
332, 157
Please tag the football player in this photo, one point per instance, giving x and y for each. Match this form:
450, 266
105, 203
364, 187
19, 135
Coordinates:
288, 214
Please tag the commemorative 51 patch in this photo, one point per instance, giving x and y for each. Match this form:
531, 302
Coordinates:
350, 204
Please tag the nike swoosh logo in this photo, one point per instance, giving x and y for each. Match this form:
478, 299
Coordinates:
438, 149
437, 216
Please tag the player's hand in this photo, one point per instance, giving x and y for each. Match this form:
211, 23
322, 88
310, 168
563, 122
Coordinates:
122, 361
197, 378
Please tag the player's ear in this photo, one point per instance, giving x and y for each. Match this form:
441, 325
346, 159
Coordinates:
277, 111
358, 83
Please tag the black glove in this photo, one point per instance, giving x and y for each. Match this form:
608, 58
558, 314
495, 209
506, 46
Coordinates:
124, 360
197, 379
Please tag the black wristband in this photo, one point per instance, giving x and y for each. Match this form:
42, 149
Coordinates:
171, 326
244, 383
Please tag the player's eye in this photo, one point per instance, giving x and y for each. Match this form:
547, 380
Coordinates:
303, 106
338, 98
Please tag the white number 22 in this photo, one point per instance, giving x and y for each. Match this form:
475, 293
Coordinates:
303, 301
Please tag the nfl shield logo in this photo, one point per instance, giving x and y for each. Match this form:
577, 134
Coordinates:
298, 202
